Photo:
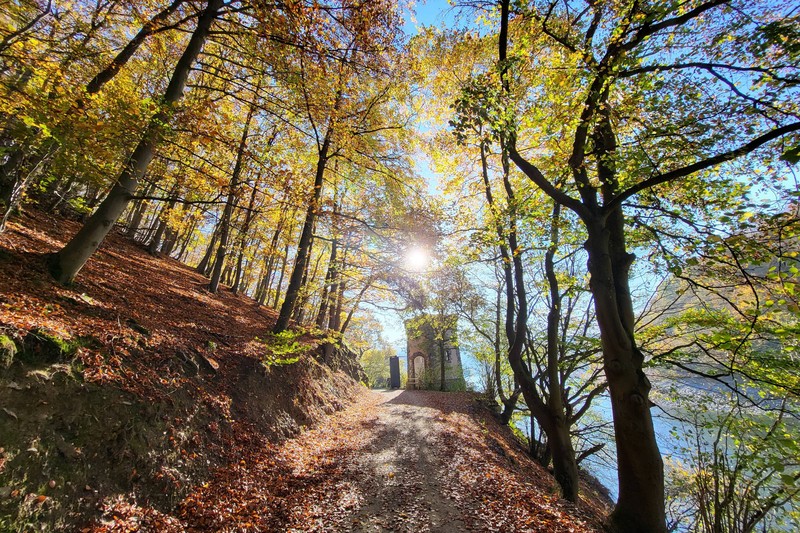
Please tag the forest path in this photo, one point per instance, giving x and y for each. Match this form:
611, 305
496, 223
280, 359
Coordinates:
404, 461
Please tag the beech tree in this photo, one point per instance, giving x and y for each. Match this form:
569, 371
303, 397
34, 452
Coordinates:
28, 156
342, 92
677, 137
65, 265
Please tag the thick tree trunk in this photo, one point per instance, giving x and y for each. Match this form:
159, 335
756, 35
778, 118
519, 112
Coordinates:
66, 264
639, 465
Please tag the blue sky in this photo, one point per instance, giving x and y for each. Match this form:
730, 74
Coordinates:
429, 13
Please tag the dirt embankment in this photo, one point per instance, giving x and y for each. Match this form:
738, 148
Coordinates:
131, 387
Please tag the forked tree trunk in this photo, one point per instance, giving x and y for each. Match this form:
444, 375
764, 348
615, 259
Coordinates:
66, 264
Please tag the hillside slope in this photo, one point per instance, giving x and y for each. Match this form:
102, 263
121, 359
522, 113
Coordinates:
137, 401
134, 383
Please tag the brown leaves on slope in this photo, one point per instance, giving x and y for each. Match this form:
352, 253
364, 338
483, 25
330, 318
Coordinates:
148, 314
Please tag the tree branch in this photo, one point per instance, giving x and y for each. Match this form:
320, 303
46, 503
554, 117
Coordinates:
701, 165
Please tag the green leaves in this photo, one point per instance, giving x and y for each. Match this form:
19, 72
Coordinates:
791, 155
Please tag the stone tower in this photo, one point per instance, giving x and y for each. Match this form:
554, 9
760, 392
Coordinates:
427, 350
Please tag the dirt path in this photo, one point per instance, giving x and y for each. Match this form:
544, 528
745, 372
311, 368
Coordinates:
404, 461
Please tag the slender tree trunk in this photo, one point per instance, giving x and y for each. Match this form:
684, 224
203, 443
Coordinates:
355, 305
9, 171
231, 201
336, 316
187, 239
442, 381
248, 218
169, 242
138, 212
278, 288
329, 276
202, 266
268, 273
308, 279
226, 275
304, 245
336, 296
66, 264
119, 61
155, 242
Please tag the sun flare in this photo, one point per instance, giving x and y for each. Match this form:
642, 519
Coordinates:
417, 259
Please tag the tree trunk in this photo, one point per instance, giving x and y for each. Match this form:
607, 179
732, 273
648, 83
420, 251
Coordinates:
443, 382
329, 276
170, 240
119, 61
639, 465
230, 202
284, 261
155, 243
308, 278
186, 240
304, 245
248, 218
202, 266
356, 303
66, 264
336, 296
138, 213
10, 182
